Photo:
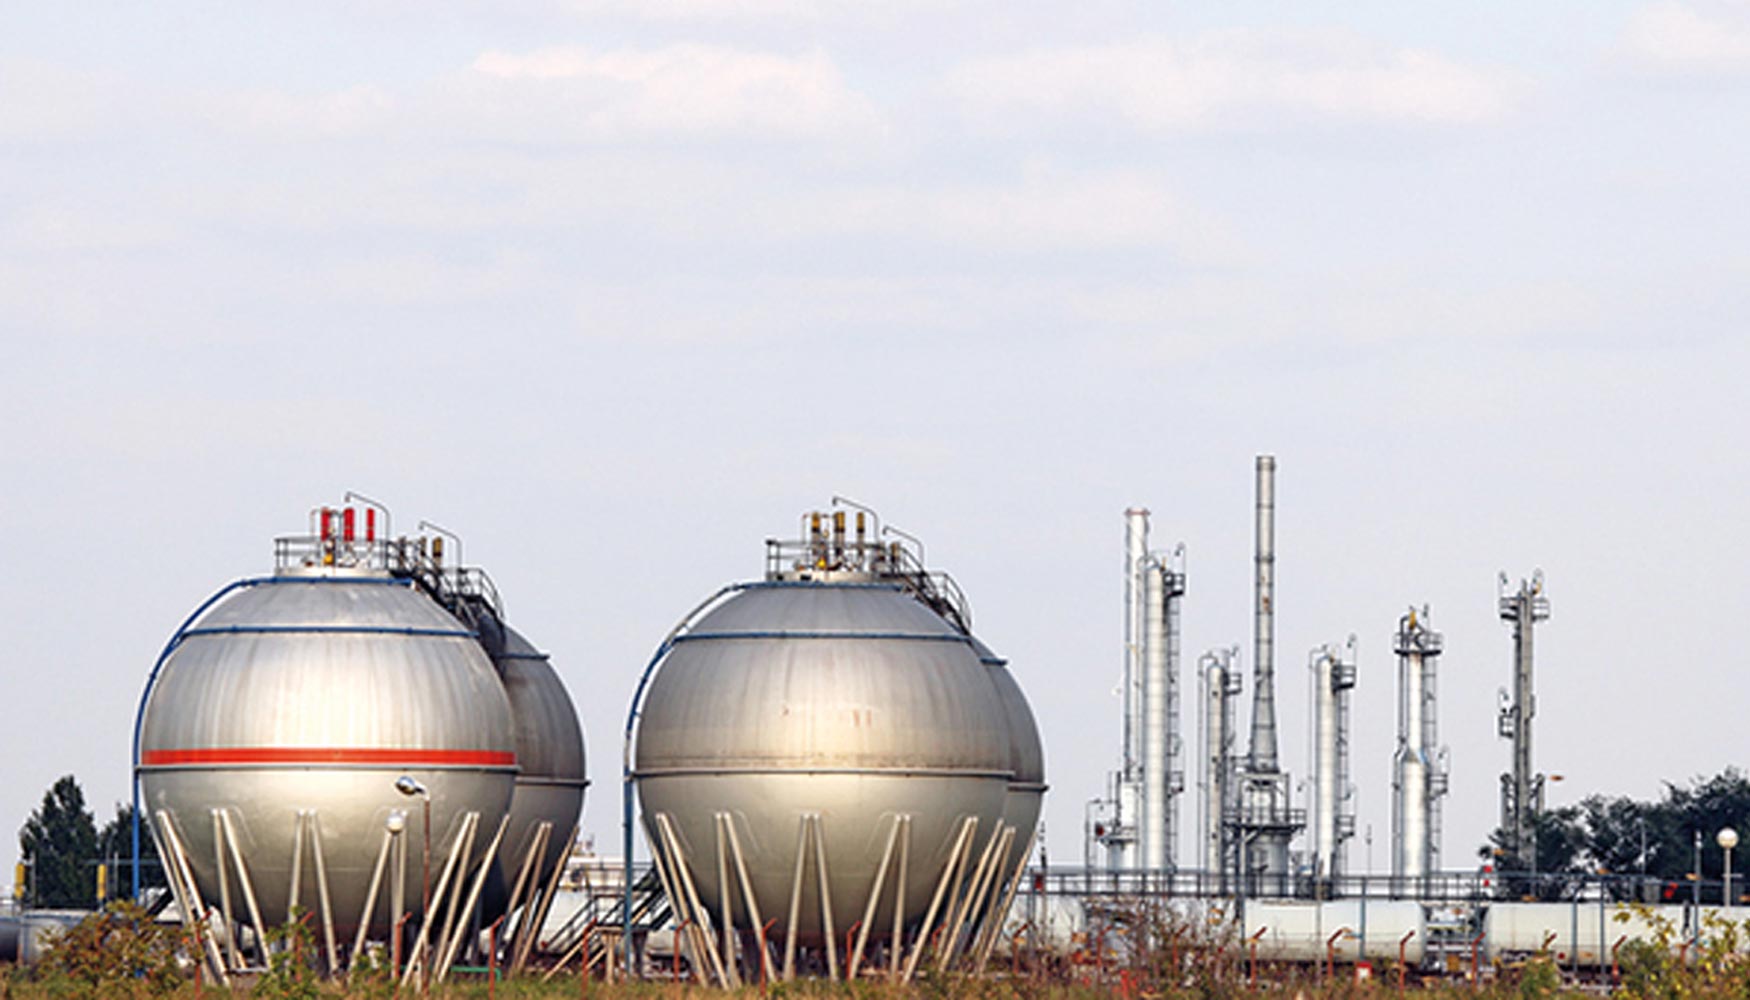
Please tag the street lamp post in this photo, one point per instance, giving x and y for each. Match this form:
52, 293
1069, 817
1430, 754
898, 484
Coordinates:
407, 784
1727, 839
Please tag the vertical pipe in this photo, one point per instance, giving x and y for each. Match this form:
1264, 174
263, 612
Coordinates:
1263, 745
1325, 776
1418, 781
1129, 781
1210, 688
1175, 590
1154, 717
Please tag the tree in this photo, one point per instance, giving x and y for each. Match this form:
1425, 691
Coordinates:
59, 842
1625, 836
115, 848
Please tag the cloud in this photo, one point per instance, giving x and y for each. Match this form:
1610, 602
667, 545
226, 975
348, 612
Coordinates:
352, 112
1674, 37
685, 89
1228, 78
1045, 211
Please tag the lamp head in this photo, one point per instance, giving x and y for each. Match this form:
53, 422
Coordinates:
407, 784
1727, 838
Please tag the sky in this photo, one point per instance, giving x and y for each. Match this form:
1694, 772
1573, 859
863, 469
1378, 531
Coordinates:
615, 290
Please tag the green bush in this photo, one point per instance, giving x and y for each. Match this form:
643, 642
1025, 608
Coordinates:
117, 950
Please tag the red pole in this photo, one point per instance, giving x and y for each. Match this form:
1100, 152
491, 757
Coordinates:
348, 524
1615, 970
1331, 951
765, 954
370, 524
1403, 942
850, 933
395, 948
492, 957
1253, 945
1476, 982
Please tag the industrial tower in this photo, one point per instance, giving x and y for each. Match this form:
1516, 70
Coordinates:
1135, 824
1419, 765
1333, 805
1521, 790
1221, 683
1266, 821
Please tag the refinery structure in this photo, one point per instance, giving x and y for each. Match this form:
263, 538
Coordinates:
1257, 836
825, 772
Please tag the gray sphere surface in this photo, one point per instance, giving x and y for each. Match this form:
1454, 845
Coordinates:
852, 701
310, 695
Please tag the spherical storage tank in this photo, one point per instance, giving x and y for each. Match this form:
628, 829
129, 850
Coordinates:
274, 731
831, 749
551, 774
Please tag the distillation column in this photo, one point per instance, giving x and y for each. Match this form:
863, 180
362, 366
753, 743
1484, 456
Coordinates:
1333, 819
1163, 777
1121, 833
1220, 686
1267, 822
1521, 790
1419, 764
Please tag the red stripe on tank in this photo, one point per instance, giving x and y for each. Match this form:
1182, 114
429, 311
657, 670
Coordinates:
391, 756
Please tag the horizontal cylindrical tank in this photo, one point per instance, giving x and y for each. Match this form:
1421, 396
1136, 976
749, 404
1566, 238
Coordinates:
1362, 928
24, 937
293, 705
847, 700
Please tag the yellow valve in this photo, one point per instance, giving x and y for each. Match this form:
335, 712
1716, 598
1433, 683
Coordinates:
102, 883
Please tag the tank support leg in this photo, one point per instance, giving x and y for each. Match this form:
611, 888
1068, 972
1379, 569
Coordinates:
896, 944
747, 895
245, 883
533, 934
322, 897
795, 899
416, 959
725, 903
868, 920
702, 917
661, 860
452, 909
962, 847
527, 874
297, 868
990, 887
1000, 915
820, 865
370, 910
229, 924
486, 862
181, 875
969, 902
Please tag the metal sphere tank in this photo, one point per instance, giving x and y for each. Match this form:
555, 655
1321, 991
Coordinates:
550, 753
286, 712
791, 729
1026, 754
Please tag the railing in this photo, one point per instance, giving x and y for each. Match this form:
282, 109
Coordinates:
1439, 887
889, 562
